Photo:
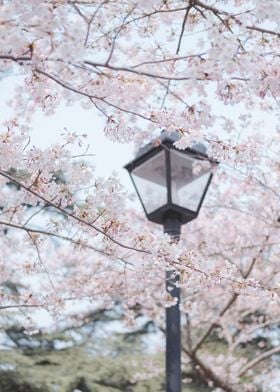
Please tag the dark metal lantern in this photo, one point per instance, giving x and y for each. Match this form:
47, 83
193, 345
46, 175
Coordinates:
166, 179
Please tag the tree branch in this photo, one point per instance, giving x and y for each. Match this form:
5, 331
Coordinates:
217, 12
264, 31
69, 214
207, 373
229, 303
90, 96
259, 359
14, 58
170, 59
41, 262
117, 33
62, 237
183, 26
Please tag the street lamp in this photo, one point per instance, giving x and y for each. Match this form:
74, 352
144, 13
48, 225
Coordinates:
171, 185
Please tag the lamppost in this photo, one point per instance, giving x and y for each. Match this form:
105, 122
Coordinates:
171, 185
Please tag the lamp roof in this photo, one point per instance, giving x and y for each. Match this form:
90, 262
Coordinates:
197, 150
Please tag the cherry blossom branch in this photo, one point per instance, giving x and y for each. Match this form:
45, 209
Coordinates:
259, 359
170, 59
229, 303
207, 373
155, 76
217, 12
139, 72
111, 67
69, 214
90, 96
81, 243
239, 336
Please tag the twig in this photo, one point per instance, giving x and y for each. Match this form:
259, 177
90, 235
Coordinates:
170, 59
90, 96
91, 20
117, 33
264, 31
41, 261
62, 237
183, 27
259, 359
71, 215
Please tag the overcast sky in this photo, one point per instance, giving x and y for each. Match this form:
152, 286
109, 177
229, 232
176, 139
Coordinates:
108, 156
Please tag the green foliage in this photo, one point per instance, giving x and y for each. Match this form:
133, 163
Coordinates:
65, 370
11, 381
68, 369
113, 362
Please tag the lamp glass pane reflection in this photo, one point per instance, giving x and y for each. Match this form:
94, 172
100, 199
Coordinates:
187, 186
150, 181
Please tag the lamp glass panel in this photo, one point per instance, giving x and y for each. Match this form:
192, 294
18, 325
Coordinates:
150, 181
189, 179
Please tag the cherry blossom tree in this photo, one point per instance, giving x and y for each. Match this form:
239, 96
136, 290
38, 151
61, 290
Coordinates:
209, 70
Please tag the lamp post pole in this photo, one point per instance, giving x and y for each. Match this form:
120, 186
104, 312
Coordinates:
172, 226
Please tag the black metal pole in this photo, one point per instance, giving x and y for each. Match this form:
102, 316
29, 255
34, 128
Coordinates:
172, 226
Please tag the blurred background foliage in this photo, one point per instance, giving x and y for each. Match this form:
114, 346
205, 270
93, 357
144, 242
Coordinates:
98, 353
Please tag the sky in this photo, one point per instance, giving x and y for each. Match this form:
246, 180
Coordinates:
107, 156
